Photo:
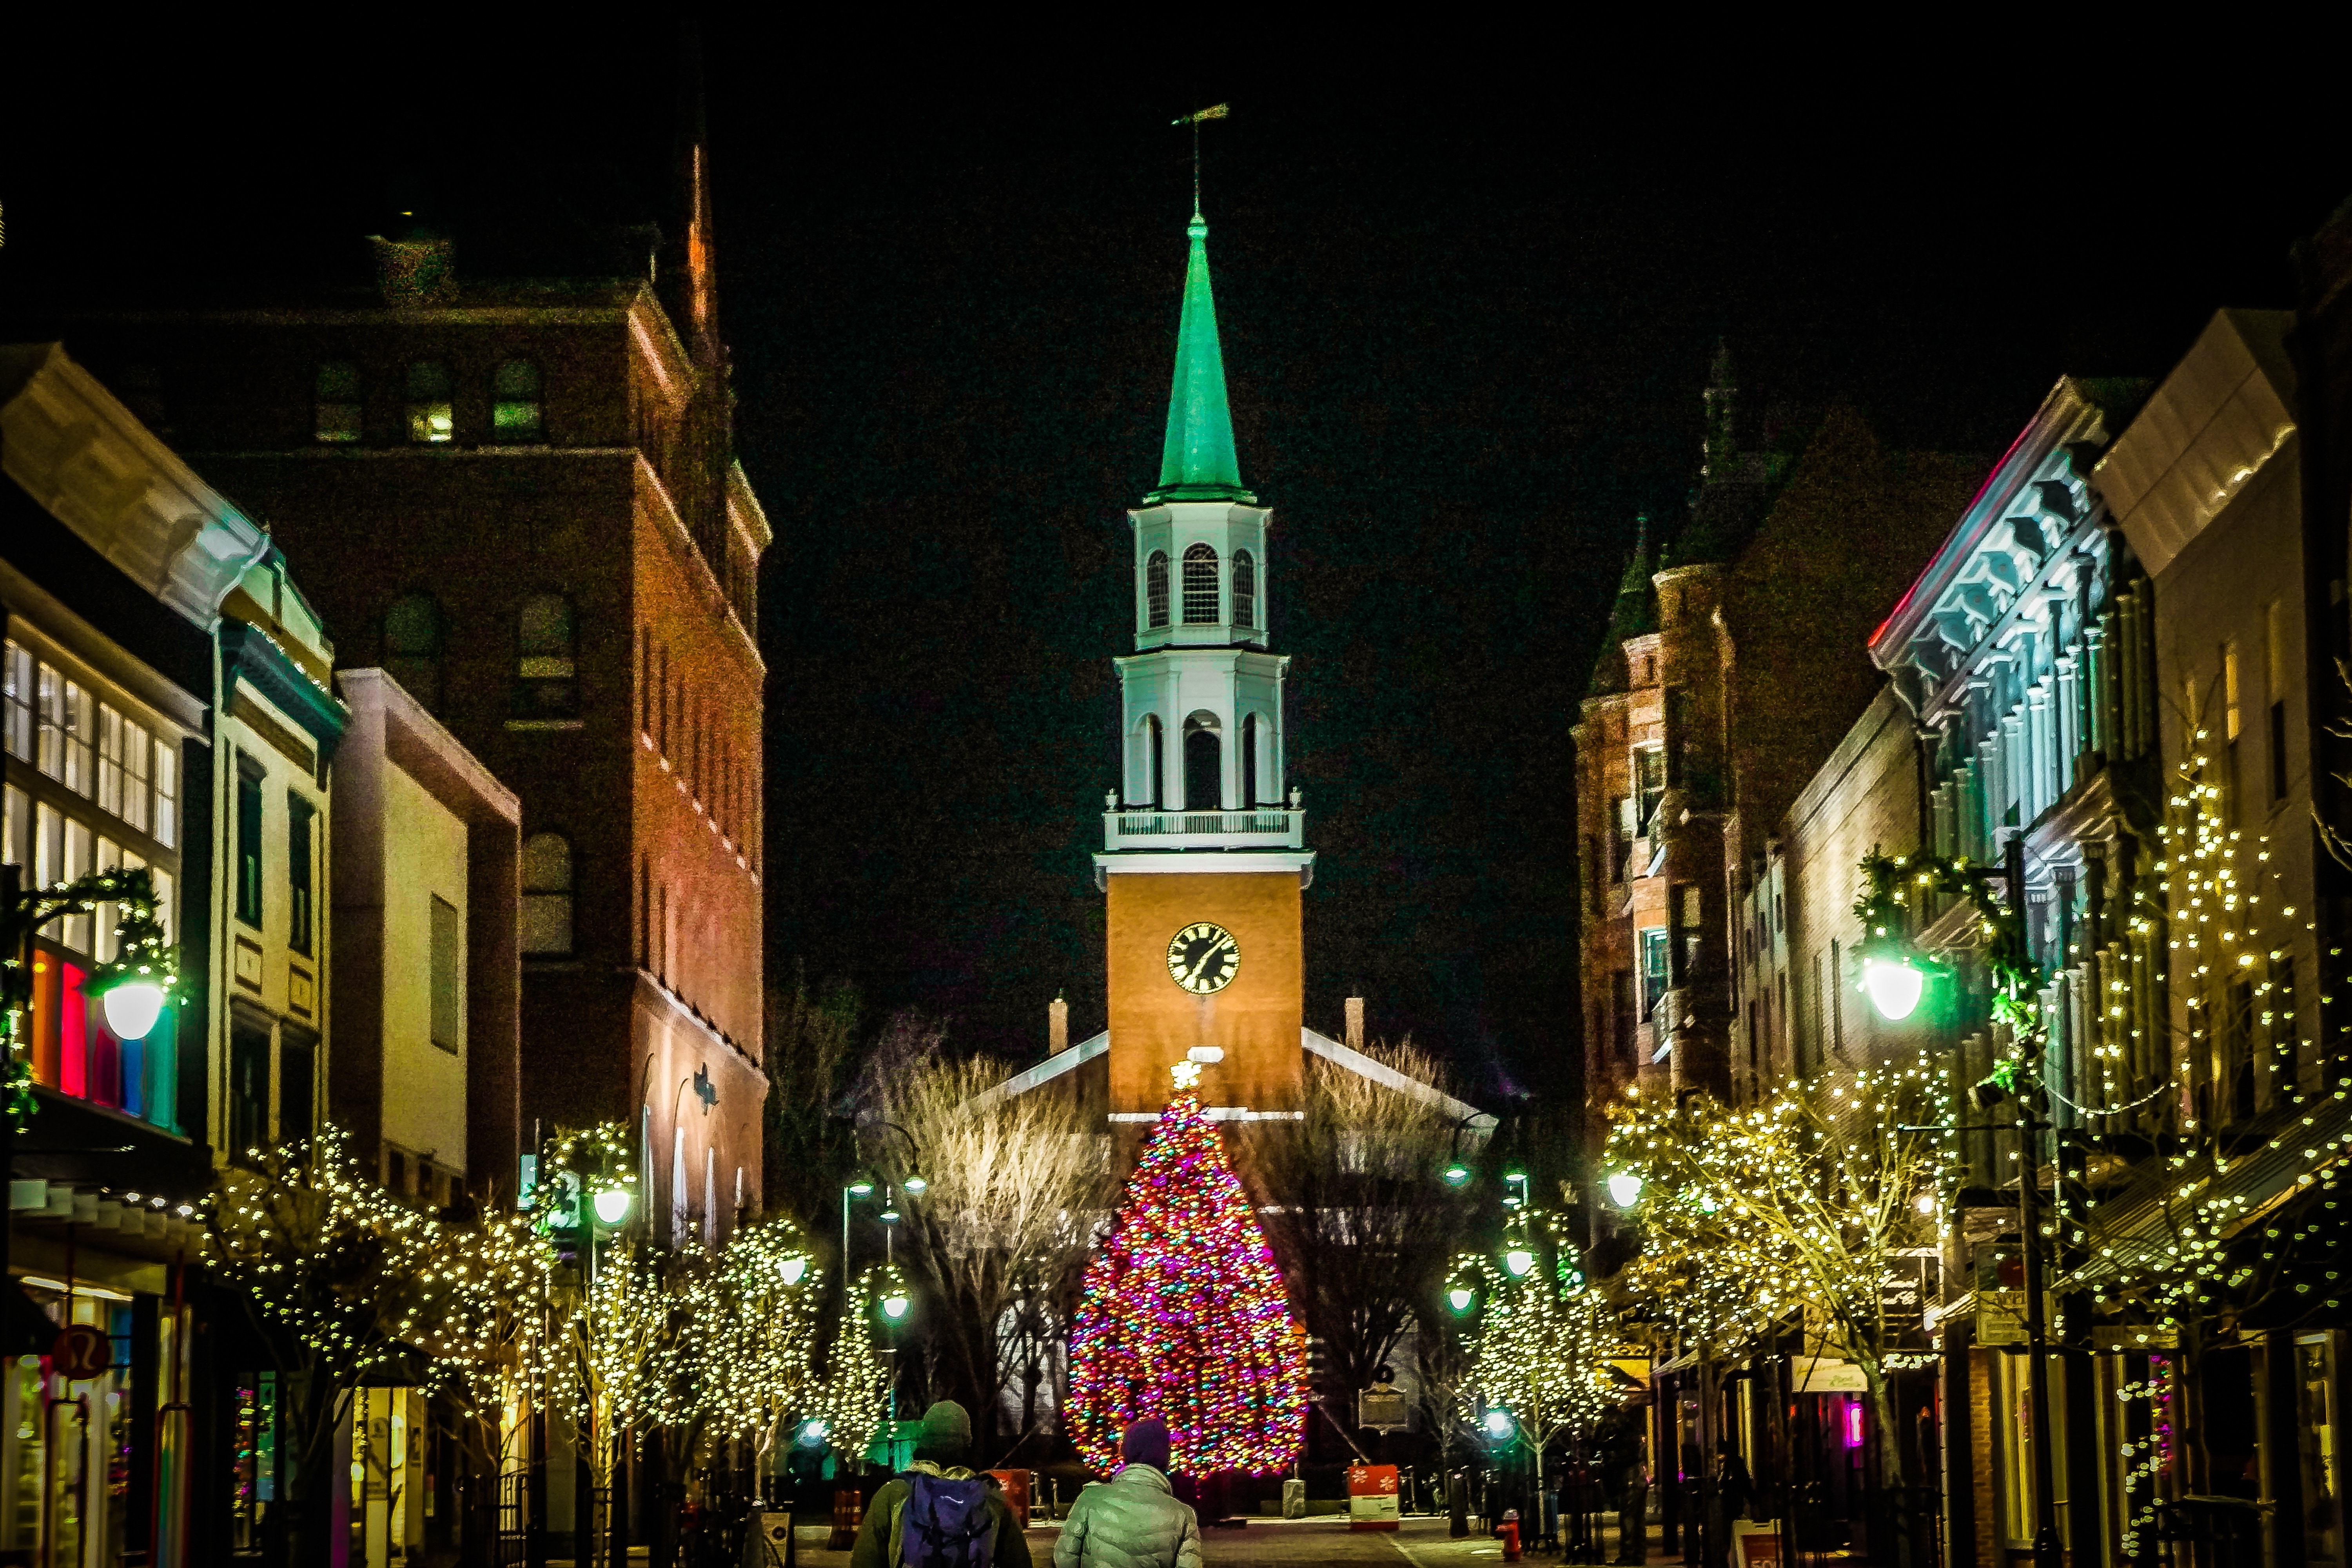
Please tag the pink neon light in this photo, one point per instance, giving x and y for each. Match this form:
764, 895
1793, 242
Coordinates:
1853, 1424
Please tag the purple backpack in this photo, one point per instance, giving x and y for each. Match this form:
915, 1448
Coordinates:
946, 1524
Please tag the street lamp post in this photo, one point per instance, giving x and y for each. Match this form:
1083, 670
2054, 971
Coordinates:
134, 985
1894, 983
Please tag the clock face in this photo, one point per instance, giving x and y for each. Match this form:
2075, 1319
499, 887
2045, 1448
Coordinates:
1202, 958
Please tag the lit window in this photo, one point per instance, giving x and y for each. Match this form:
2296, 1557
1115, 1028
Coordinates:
109, 759
430, 418
1200, 586
337, 393
167, 793
16, 700
544, 665
547, 896
138, 748
1155, 588
411, 647
1245, 589
514, 402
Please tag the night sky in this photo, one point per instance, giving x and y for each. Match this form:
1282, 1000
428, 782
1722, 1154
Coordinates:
1467, 315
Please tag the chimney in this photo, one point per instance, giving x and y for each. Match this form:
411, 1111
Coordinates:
1355, 1023
1057, 1026
416, 270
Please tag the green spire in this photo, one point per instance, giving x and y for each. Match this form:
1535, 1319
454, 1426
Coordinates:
1198, 462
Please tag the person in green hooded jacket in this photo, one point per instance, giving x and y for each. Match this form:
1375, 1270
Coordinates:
940, 1449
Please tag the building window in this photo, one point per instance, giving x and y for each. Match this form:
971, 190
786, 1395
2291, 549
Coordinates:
297, 1057
1245, 589
544, 667
299, 814
166, 826
514, 402
547, 896
1155, 760
1249, 759
431, 421
412, 647
138, 751
248, 844
448, 976
16, 700
109, 759
248, 1090
1155, 588
680, 1206
2275, 684
66, 724
336, 393
1655, 951
1200, 586
1650, 778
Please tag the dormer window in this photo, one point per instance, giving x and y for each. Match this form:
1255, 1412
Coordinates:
1155, 589
1245, 589
1200, 586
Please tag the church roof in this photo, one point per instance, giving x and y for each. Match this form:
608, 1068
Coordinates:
1197, 462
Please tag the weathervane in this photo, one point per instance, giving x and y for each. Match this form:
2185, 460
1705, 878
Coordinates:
1215, 112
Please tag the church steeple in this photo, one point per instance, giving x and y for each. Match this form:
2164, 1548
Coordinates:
1197, 461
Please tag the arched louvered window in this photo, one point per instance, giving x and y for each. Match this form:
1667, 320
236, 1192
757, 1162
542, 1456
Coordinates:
1155, 761
411, 654
1245, 589
1249, 732
1200, 586
547, 896
1155, 588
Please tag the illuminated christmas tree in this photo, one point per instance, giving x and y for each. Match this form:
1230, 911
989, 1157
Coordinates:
1184, 1316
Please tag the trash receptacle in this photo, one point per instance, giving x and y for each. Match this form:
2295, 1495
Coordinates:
1294, 1500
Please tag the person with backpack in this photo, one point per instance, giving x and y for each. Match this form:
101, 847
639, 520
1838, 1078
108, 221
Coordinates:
939, 1514
1133, 1520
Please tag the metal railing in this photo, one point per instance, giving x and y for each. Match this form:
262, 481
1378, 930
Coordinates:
1263, 827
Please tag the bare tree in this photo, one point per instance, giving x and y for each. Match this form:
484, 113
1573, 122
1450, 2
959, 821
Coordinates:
809, 1143
1359, 1211
1016, 1183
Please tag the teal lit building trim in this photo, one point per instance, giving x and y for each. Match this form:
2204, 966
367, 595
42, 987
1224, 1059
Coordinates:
1197, 463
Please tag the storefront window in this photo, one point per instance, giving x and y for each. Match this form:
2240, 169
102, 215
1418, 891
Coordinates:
2322, 1484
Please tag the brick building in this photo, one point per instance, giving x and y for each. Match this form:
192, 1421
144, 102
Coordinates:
519, 499
1731, 666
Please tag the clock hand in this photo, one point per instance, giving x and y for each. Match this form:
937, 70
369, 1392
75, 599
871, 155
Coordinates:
1215, 949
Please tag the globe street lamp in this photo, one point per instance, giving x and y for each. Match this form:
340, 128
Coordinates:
1518, 1260
611, 1205
1625, 1189
1460, 1297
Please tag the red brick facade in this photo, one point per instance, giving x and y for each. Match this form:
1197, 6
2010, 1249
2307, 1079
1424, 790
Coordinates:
633, 732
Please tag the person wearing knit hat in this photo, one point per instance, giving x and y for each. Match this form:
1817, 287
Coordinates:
1134, 1519
936, 1514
